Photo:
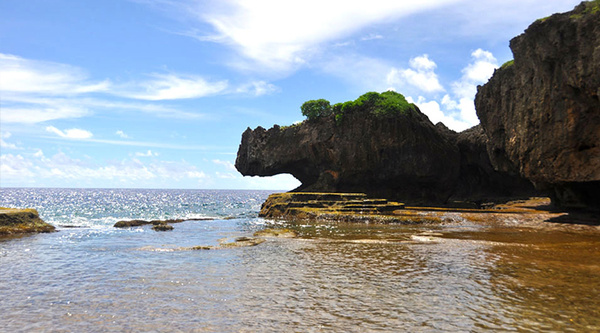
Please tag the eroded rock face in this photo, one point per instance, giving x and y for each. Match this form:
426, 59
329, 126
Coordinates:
478, 180
542, 113
403, 157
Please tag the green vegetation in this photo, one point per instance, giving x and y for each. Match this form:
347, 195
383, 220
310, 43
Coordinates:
508, 63
542, 19
389, 103
316, 108
591, 7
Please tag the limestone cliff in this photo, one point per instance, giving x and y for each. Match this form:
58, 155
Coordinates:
400, 156
541, 112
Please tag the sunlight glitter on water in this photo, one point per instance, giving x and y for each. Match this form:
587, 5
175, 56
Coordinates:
334, 277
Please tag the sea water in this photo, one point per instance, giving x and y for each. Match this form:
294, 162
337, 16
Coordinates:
335, 277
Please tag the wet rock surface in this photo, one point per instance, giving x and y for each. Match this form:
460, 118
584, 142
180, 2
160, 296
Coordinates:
19, 221
542, 112
534, 212
138, 223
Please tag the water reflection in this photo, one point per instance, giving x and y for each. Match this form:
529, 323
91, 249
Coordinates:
335, 277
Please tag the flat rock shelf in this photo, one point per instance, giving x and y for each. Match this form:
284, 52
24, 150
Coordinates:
20, 221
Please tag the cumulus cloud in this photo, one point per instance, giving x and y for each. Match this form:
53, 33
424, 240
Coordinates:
25, 169
421, 75
73, 133
457, 109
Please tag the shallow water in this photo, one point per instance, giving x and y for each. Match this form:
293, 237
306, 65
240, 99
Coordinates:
334, 277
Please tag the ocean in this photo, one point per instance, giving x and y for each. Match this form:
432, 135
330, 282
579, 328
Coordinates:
334, 277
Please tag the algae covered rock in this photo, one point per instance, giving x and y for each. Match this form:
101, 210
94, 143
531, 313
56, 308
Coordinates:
16, 221
162, 227
282, 233
541, 112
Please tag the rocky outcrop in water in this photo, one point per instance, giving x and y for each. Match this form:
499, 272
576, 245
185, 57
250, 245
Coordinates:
18, 221
541, 112
399, 156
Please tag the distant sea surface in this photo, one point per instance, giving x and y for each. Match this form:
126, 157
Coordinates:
335, 277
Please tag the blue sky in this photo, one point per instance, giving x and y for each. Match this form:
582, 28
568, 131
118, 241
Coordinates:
156, 93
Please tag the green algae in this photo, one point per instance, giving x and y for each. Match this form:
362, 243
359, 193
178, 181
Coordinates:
18, 221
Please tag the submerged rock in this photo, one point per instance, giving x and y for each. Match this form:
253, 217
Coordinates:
162, 227
541, 112
282, 233
137, 223
17, 221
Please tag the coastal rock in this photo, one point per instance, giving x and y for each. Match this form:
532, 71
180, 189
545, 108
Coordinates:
401, 156
138, 223
478, 181
17, 221
162, 227
541, 112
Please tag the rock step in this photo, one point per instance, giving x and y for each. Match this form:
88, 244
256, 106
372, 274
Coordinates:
314, 196
348, 202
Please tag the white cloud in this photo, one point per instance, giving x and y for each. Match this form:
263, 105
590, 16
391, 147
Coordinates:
282, 35
257, 88
149, 153
121, 134
421, 75
371, 37
4, 144
14, 166
227, 175
73, 133
457, 110
171, 86
31, 114
31, 76
227, 164
61, 168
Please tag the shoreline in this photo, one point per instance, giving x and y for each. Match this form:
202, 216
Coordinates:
535, 212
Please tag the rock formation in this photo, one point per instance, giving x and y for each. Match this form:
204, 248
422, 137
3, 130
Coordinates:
477, 179
18, 221
541, 112
399, 156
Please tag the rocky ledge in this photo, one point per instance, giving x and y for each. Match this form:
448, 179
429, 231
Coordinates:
541, 112
18, 221
536, 212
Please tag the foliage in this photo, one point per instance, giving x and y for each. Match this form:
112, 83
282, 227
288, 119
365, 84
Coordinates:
591, 7
508, 63
314, 109
389, 103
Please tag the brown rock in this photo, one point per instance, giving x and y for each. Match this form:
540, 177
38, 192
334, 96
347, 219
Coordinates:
542, 113
400, 156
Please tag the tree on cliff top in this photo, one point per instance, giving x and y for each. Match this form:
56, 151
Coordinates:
314, 109
389, 103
